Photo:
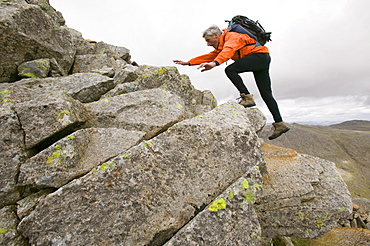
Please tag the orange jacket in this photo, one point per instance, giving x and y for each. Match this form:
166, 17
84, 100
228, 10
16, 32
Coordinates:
231, 45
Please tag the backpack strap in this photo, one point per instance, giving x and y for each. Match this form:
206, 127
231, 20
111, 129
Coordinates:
245, 46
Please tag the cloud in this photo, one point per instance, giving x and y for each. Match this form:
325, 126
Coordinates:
328, 110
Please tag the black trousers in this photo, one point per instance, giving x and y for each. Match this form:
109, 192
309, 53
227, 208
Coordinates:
259, 64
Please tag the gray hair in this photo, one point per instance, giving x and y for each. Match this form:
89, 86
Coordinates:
212, 30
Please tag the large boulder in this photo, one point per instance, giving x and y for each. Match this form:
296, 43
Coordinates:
28, 33
229, 220
90, 62
45, 119
150, 191
35, 69
12, 154
151, 111
303, 196
75, 155
85, 87
101, 55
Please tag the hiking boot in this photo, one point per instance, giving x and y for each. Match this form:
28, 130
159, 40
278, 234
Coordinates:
280, 128
247, 100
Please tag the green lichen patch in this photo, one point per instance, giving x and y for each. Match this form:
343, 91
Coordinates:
60, 154
3, 230
249, 197
245, 184
4, 92
218, 204
61, 114
107, 165
30, 75
160, 71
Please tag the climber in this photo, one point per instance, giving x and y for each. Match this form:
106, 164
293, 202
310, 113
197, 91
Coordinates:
248, 58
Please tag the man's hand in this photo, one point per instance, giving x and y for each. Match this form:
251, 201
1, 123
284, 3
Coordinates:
206, 66
181, 62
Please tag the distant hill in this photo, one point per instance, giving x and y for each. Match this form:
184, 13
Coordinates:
356, 125
346, 144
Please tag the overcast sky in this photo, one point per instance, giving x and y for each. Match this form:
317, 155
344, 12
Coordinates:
320, 49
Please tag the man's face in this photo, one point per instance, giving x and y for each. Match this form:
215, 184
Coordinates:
212, 40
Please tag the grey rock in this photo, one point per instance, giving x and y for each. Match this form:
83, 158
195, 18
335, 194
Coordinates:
56, 70
47, 8
35, 69
106, 71
150, 191
195, 100
127, 74
228, 220
75, 155
303, 196
257, 118
28, 33
169, 78
364, 205
90, 62
95, 56
26, 205
8, 228
353, 223
86, 87
113, 51
12, 154
151, 111
45, 118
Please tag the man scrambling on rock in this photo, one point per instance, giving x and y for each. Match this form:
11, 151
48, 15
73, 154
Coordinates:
248, 57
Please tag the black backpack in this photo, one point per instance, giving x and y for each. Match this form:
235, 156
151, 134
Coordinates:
254, 29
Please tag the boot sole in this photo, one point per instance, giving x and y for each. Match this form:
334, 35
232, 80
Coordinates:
249, 105
278, 135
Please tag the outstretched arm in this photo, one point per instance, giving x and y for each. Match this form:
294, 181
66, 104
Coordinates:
179, 62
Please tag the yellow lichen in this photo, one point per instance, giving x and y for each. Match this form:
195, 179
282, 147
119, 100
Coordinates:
218, 204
